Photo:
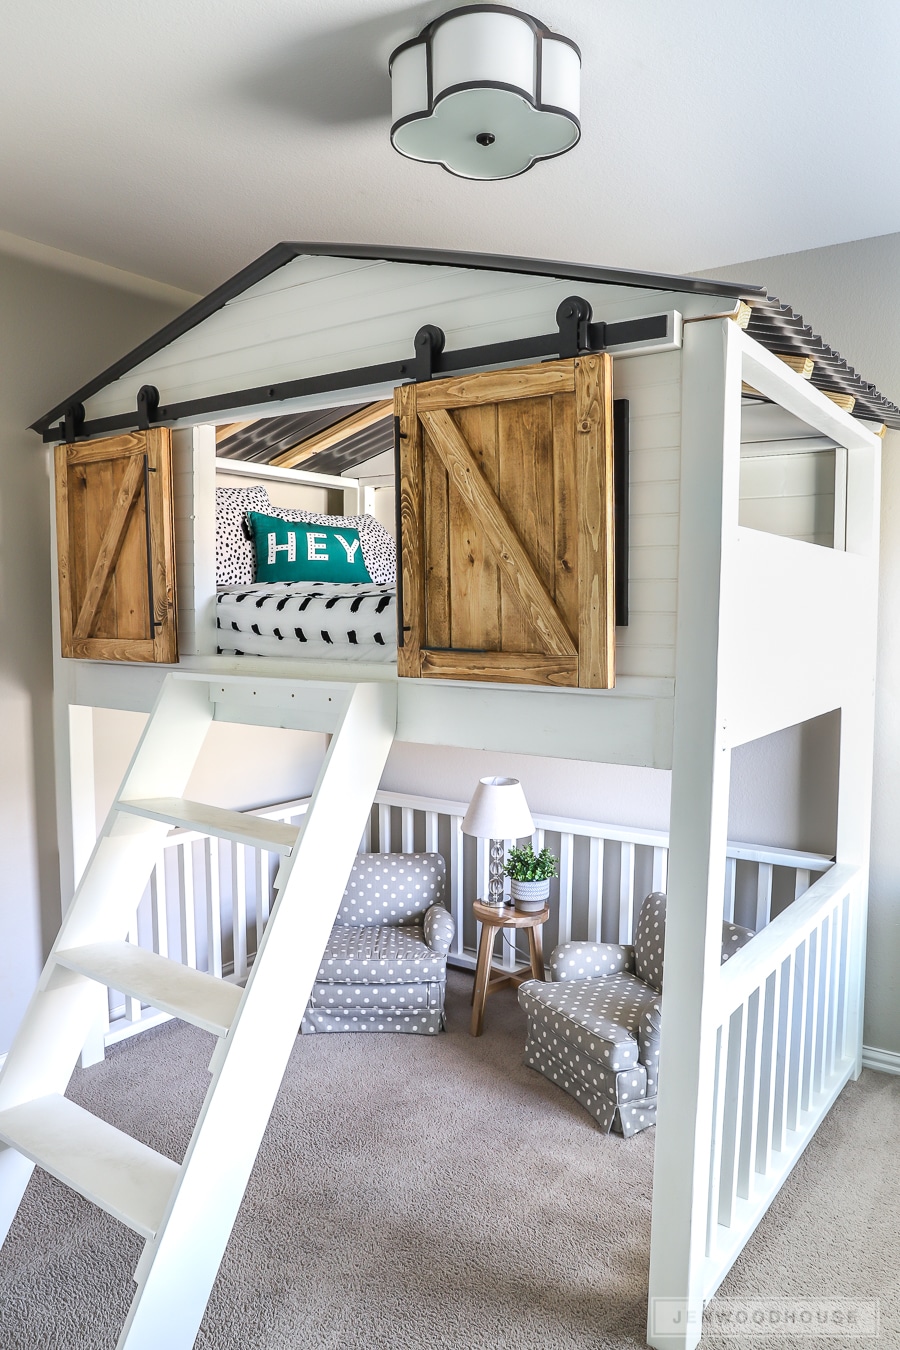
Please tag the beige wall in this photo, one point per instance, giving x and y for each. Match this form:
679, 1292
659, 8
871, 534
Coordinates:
56, 331
849, 294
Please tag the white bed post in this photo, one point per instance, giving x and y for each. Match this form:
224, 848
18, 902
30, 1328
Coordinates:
854, 822
710, 455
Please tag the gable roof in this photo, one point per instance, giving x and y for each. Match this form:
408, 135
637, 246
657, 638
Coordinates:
771, 323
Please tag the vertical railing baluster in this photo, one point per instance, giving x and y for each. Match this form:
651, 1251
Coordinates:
814, 963
801, 882
261, 886
186, 905
715, 1159
765, 875
407, 830
432, 831
826, 928
834, 1010
784, 1051
158, 906
384, 827
731, 1116
213, 906
798, 1034
730, 883
626, 892
132, 1004
595, 889
746, 1174
770, 1067
660, 868
566, 880
457, 882
239, 909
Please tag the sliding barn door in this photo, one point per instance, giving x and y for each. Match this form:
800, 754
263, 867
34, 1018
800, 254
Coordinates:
506, 523
115, 542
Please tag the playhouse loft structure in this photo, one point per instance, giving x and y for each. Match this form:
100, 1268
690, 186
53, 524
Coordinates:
637, 520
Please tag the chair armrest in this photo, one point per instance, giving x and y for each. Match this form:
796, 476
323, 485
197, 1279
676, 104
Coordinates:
648, 1033
440, 927
580, 960
734, 938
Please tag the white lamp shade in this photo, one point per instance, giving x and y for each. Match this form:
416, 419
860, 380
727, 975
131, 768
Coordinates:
485, 91
498, 810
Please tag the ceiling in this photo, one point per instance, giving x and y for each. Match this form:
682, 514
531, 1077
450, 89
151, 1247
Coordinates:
179, 141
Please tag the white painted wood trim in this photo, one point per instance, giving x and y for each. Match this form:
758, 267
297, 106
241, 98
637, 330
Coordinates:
269, 473
777, 381
883, 1061
711, 432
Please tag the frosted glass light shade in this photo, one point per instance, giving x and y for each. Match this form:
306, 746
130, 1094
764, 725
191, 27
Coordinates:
498, 810
485, 91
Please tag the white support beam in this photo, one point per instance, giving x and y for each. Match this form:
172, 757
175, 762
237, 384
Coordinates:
711, 384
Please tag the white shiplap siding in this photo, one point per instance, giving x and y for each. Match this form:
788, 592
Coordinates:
319, 315
652, 385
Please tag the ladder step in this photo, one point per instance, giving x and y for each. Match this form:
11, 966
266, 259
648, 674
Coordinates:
167, 985
126, 1178
242, 828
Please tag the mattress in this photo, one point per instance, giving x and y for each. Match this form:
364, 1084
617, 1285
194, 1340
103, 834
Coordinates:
308, 621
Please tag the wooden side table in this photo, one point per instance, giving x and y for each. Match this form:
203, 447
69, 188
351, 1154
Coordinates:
492, 918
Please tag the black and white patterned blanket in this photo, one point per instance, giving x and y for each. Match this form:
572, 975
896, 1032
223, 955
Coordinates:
308, 621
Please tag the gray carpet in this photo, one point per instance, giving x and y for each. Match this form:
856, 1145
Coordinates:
418, 1192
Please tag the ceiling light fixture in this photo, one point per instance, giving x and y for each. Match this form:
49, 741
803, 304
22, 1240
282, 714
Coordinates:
485, 91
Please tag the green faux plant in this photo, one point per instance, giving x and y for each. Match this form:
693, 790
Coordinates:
523, 864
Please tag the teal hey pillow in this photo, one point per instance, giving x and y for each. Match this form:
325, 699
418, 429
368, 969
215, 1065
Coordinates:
289, 550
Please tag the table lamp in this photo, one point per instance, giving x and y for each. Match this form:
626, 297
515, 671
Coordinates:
498, 811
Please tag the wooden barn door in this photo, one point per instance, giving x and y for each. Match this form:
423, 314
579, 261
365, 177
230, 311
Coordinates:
506, 523
116, 550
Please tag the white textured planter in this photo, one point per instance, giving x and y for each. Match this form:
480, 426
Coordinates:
529, 896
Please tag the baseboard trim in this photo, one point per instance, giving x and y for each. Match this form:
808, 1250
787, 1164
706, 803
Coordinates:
885, 1061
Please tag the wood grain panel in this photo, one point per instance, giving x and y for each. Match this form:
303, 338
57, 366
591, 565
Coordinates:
162, 538
596, 543
412, 527
496, 386
502, 667
63, 555
474, 571
437, 553
565, 510
112, 447
515, 564
102, 548
526, 494
113, 526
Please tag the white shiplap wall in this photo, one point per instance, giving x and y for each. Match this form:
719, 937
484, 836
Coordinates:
318, 315
652, 385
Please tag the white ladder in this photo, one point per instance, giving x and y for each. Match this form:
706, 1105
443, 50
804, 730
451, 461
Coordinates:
186, 1212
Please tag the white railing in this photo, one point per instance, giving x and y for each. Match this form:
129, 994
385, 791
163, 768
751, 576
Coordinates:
786, 1044
208, 899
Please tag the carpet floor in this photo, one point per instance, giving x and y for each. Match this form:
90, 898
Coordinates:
432, 1192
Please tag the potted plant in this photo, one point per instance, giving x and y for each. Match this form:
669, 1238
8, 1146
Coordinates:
529, 877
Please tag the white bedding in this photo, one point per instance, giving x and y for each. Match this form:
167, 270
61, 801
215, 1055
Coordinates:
308, 621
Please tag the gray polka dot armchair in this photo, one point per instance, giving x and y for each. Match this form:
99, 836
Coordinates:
594, 1029
385, 963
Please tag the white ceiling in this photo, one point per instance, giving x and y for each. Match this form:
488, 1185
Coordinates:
178, 139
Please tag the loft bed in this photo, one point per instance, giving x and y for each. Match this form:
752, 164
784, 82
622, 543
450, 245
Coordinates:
743, 557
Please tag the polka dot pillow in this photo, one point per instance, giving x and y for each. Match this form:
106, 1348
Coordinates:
378, 548
235, 561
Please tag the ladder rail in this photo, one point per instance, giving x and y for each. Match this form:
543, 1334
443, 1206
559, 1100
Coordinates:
66, 1005
176, 1273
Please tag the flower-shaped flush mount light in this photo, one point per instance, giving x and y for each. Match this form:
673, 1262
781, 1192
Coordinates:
485, 91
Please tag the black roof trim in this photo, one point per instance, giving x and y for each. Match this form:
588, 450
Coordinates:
284, 253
